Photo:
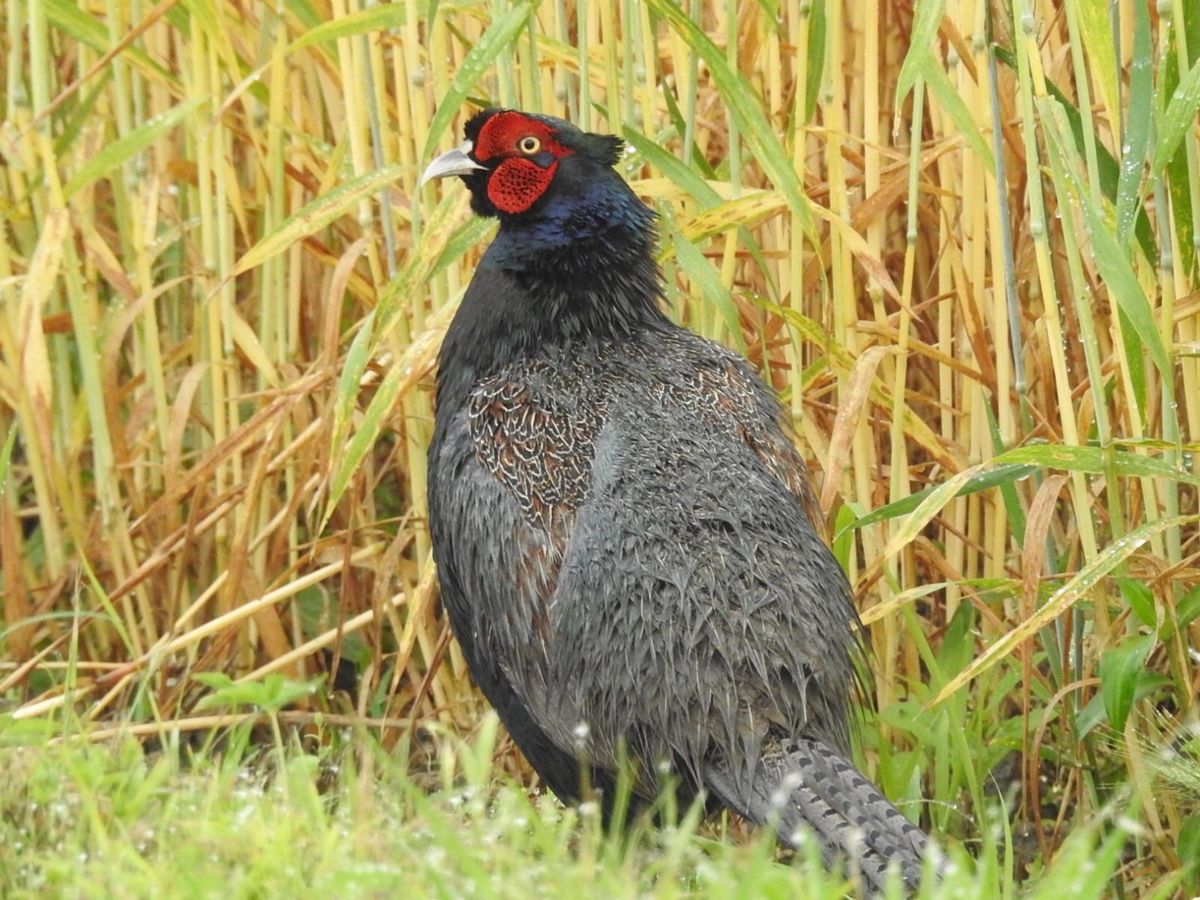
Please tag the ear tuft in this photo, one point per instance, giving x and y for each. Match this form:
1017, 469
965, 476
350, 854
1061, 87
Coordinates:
608, 148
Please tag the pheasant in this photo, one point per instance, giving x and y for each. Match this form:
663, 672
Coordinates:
623, 531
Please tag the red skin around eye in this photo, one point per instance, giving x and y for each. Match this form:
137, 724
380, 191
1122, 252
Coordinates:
518, 182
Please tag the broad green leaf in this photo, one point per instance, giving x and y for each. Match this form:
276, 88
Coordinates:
978, 481
1188, 844
1095, 461
1084, 581
920, 46
948, 96
401, 376
6, 457
1179, 117
375, 18
1008, 491
704, 275
125, 148
434, 254
73, 19
442, 226
1021, 462
1094, 713
843, 528
274, 693
929, 507
1111, 259
673, 168
1085, 865
1179, 176
1096, 28
470, 234
316, 215
1136, 370
1110, 170
1123, 287
1187, 608
815, 73
500, 36
1138, 118
1140, 599
351, 375
745, 107
1120, 669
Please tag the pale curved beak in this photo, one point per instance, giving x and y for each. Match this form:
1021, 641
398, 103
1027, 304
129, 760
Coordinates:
452, 162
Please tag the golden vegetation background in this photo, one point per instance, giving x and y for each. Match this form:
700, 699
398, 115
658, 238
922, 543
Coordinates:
960, 239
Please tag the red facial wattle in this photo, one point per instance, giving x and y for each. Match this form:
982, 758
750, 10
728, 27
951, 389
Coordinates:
517, 183
521, 177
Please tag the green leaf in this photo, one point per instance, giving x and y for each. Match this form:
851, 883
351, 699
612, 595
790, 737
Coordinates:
500, 36
1139, 116
1188, 608
1109, 170
6, 458
1140, 599
1188, 845
815, 73
470, 234
351, 375
704, 275
1179, 176
364, 437
316, 215
124, 148
958, 642
74, 21
272, 694
1093, 714
951, 100
376, 18
979, 481
440, 229
921, 61
1096, 27
1079, 586
1111, 259
1137, 365
929, 507
920, 45
745, 107
1178, 118
1123, 286
844, 542
673, 168
1120, 669
1008, 492
1084, 866
1095, 461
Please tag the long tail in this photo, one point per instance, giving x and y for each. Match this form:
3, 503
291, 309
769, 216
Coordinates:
803, 784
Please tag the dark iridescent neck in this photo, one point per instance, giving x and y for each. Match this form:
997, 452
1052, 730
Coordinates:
545, 284
584, 259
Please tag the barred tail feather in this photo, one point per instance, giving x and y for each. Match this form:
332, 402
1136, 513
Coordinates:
805, 784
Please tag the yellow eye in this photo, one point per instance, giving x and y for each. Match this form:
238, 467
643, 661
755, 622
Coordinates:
529, 145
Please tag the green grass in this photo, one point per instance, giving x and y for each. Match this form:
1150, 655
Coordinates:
331, 813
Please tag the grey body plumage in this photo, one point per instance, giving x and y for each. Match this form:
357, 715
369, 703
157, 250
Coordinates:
623, 529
